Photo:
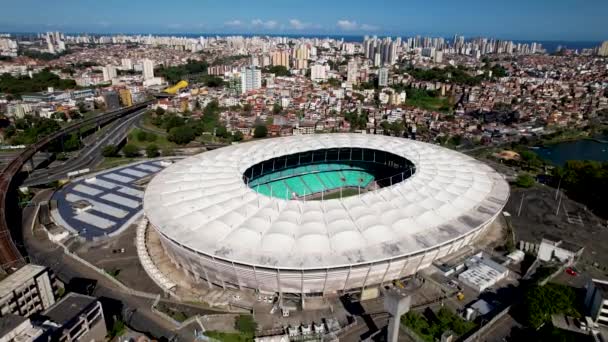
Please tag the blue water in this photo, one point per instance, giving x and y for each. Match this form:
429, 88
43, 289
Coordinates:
585, 149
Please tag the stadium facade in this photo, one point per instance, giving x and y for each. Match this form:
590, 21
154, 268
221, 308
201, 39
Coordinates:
264, 215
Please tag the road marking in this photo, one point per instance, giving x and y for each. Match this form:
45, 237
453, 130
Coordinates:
100, 207
119, 178
147, 167
87, 190
135, 173
131, 192
102, 183
94, 220
121, 200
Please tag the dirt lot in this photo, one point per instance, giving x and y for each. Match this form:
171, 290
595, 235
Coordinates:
539, 216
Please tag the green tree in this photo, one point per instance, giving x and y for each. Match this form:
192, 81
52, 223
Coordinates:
171, 120
142, 136
221, 131
260, 131
247, 108
160, 110
237, 136
540, 302
524, 181
245, 324
130, 151
277, 109
181, 135
152, 151
59, 116
109, 151
278, 70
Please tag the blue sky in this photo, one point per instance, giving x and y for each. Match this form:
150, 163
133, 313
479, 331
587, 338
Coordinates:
583, 20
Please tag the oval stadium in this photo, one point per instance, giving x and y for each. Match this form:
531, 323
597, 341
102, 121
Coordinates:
320, 214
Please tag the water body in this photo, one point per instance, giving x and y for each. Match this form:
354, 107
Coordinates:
584, 149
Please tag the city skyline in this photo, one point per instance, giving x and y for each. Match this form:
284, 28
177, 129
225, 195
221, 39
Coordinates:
518, 20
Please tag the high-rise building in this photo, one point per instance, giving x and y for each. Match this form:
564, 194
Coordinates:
109, 73
251, 79
383, 77
281, 58
148, 69
352, 72
49, 43
27, 291
603, 50
126, 63
377, 59
125, 97
112, 100
318, 73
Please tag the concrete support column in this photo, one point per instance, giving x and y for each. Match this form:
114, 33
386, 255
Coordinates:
396, 304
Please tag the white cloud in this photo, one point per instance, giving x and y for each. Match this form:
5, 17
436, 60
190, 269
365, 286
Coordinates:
347, 25
234, 22
297, 24
174, 26
351, 25
368, 27
270, 24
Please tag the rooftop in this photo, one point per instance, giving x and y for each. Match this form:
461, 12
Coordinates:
17, 279
68, 307
202, 202
9, 322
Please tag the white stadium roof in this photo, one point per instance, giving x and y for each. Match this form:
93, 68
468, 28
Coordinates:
202, 203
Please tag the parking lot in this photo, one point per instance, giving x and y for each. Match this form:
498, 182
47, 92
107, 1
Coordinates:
539, 216
105, 203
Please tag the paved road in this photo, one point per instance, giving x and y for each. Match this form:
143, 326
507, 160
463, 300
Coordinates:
6, 157
42, 251
88, 156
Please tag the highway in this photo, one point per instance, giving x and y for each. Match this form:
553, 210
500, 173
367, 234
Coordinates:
10, 257
7, 157
89, 155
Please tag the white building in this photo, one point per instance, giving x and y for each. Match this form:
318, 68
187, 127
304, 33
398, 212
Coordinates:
482, 273
382, 77
127, 63
109, 73
554, 248
27, 291
251, 79
148, 69
318, 73
596, 301
351, 72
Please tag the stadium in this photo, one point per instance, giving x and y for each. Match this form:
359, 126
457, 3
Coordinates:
320, 214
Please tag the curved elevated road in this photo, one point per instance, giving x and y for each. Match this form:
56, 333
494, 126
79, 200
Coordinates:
88, 156
9, 254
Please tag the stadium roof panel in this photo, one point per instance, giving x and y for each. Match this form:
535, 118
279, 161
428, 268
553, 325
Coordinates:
202, 203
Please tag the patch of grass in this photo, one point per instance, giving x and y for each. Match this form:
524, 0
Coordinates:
158, 140
440, 104
114, 273
147, 123
177, 315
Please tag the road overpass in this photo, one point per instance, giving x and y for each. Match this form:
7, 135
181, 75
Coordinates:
10, 256
88, 156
